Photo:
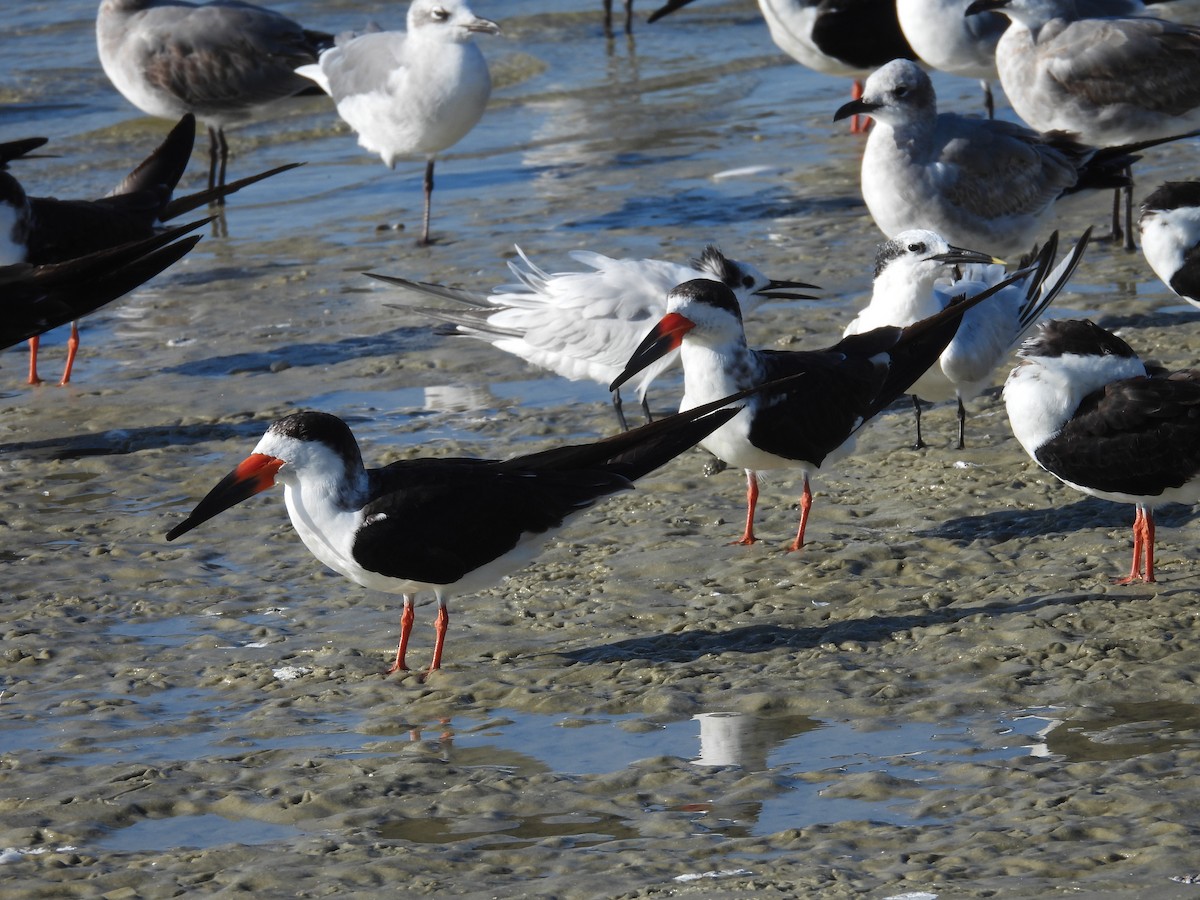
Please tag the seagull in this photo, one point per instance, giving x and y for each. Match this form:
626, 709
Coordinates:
949, 41
917, 274
45, 230
1085, 409
976, 182
1169, 226
38, 299
586, 324
441, 525
837, 391
845, 38
411, 93
1108, 81
225, 61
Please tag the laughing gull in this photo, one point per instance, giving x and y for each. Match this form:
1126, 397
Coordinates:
440, 525
46, 230
977, 182
587, 324
1107, 81
846, 38
814, 422
1169, 226
917, 274
224, 61
38, 299
949, 41
1083, 406
411, 93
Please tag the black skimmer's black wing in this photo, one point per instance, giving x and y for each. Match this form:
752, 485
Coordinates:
40, 298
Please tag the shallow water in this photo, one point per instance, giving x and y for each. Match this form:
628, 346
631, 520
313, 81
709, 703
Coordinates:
943, 693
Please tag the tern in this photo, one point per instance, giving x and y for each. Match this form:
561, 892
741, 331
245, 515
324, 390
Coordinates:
917, 274
1086, 410
411, 93
814, 422
586, 324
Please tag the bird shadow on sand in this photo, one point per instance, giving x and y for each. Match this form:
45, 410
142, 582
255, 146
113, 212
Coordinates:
392, 343
118, 441
1087, 512
689, 646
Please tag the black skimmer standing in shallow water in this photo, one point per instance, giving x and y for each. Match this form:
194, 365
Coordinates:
45, 230
37, 299
224, 62
1169, 226
414, 92
846, 38
836, 391
1083, 406
440, 525
917, 274
587, 324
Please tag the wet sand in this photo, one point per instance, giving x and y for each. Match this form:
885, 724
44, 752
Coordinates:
210, 716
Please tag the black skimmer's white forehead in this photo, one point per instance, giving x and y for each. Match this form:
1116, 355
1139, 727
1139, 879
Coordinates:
45, 230
917, 274
413, 93
1108, 79
226, 63
847, 38
586, 324
440, 525
40, 298
1169, 226
1085, 409
836, 391
976, 182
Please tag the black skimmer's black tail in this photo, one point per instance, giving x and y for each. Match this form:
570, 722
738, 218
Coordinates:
41, 298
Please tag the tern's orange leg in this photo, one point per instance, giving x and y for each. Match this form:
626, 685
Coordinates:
72, 349
34, 343
406, 626
440, 625
748, 537
805, 506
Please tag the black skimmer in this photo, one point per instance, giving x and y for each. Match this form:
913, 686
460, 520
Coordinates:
917, 274
224, 62
1107, 80
19, 149
440, 525
587, 324
1169, 226
845, 38
1086, 410
977, 182
837, 390
414, 92
45, 230
40, 298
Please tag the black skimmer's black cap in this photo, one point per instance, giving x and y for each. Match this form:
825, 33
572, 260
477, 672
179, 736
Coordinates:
1173, 195
1074, 337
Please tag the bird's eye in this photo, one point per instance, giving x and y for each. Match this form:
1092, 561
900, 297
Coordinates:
440, 14
916, 248
747, 281
900, 91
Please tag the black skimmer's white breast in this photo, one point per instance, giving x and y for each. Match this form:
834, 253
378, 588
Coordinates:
225, 62
846, 38
918, 273
836, 391
450, 526
414, 92
586, 324
1085, 410
1169, 226
977, 182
